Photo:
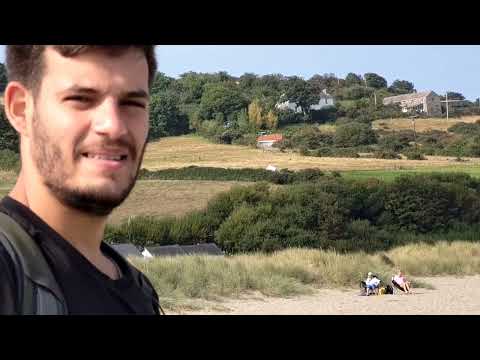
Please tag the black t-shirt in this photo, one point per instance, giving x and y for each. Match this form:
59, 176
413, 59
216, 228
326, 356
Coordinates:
86, 289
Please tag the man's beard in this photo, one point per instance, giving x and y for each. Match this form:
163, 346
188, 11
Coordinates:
49, 160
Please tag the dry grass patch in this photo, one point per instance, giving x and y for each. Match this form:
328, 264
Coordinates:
421, 125
169, 198
184, 151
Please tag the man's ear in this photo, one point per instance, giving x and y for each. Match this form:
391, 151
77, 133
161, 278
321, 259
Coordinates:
18, 107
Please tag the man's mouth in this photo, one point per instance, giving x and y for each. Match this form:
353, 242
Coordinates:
120, 157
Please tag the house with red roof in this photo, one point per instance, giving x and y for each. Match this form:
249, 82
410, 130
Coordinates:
267, 141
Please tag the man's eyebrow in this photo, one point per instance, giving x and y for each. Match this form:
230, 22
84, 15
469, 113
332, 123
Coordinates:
136, 94
140, 93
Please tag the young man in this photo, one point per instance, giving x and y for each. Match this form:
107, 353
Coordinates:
81, 112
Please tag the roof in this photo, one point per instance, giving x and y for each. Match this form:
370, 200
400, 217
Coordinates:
166, 250
173, 250
399, 98
127, 250
271, 137
207, 249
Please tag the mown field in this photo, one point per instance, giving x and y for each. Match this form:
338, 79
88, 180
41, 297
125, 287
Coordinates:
183, 151
169, 198
422, 125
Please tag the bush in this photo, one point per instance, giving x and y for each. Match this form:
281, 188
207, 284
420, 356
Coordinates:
421, 204
394, 142
386, 154
354, 134
307, 137
322, 212
141, 231
283, 176
9, 160
286, 117
334, 152
246, 139
9, 139
414, 154
466, 129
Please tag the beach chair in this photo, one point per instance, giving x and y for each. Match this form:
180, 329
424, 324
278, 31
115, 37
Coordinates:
396, 286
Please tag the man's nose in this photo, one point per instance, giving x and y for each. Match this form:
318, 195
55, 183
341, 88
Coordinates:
109, 121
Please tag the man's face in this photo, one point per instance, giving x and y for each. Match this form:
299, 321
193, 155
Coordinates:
89, 127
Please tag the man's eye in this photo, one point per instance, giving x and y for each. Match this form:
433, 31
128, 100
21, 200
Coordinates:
78, 98
134, 103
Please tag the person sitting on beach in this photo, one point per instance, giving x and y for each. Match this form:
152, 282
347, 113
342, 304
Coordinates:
400, 281
372, 283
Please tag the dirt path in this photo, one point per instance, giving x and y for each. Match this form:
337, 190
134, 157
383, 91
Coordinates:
452, 296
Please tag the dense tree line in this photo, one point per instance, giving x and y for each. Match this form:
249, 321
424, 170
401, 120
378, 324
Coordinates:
231, 109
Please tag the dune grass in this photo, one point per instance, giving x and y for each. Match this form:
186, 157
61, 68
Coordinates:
189, 281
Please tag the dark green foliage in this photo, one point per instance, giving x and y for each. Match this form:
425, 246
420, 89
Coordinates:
333, 152
9, 138
386, 154
219, 174
414, 154
354, 134
9, 160
326, 212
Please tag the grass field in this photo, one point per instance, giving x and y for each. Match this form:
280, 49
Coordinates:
183, 151
7, 180
421, 125
169, 198
187, 281
389, 175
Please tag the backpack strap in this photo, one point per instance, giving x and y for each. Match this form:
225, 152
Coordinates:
38, 291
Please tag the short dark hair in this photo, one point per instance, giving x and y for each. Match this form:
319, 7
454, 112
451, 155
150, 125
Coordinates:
25, 62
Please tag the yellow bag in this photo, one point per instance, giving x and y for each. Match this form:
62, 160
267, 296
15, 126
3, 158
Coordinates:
382, 291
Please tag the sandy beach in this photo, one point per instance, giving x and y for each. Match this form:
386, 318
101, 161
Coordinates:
451, 296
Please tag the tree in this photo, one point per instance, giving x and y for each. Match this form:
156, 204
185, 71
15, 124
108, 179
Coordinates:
3, 78
402, 87
354, 134
455, 96
326, 81
353, 79
165, 117
375, 81
9, 139
222, 99
271, 120
255, 114
248, 81
300, 92
162, 83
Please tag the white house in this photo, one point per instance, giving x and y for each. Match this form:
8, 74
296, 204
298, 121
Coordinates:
325, 100
427, 102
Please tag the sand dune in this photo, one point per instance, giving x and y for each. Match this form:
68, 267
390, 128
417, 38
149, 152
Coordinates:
451, 296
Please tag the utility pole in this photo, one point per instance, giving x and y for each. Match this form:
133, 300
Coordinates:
375, 94
414, 132
446, 101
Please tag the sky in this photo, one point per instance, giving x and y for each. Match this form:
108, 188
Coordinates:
439, 68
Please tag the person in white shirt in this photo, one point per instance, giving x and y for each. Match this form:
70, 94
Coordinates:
372, 283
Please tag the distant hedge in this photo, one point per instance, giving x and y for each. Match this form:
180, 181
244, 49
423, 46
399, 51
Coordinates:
283, 176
